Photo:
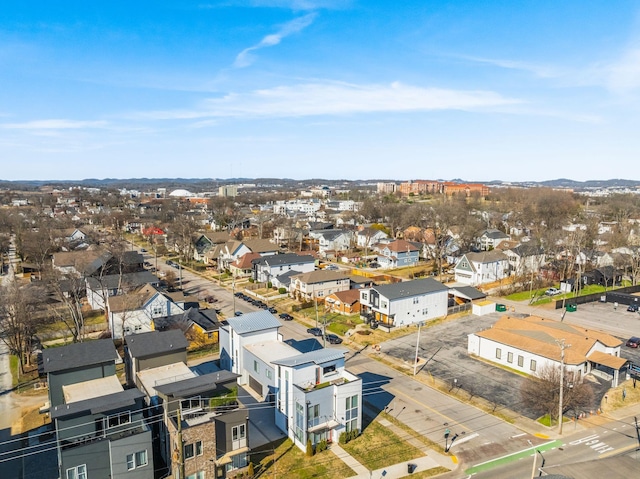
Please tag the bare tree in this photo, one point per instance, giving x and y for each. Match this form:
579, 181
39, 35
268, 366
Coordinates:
541, 393
69, 291
20, 317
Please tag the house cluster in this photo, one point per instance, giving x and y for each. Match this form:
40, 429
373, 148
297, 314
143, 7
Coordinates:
165, 417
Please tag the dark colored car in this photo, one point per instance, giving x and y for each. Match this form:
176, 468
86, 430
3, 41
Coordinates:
272, 310
238, 313
633, 342
211, 299
238, 294
333, 339
633, 307
315, 331
142, 250
286, 317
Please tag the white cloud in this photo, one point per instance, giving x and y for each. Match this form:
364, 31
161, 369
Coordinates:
623, 75
314, 99
54, 124
539, 70
296, 5
245, 57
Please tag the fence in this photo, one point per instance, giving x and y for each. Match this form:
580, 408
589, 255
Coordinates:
620, 295
459, 308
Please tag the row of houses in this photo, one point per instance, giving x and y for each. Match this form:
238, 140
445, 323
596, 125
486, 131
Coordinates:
188, 422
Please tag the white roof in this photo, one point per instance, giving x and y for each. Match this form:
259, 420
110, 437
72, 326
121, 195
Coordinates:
91, 389
150, 378
181, 193
271, 350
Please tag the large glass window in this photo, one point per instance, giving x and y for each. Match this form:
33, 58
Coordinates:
119, 419
314, 415
351, 413
299, 421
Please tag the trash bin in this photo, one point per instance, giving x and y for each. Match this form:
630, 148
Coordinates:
571, 308
411, 468
501, 307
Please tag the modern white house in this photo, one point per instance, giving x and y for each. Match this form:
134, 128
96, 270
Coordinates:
490, 239
316, 397
532, 343
480, 268
404, 303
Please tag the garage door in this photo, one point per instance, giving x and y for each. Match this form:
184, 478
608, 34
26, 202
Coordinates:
255, 385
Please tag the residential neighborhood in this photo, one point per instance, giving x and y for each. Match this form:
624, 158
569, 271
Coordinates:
200, 345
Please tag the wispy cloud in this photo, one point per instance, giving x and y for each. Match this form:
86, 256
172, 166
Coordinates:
246, 58
296, 5
54, 124
623, 74
315, 99
539, 70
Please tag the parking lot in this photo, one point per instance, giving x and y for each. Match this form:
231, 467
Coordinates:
444, 346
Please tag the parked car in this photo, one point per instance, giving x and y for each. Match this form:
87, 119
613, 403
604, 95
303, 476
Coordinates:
552, 291
374, 265
633, 307
272, 310
238, 313
142, 250
331, 267
211, 299
286, 317
238, 294
333, 339
315, 331
633, 342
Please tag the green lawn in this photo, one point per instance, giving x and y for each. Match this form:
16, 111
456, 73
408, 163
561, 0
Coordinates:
542, 298
378, 447
292, 462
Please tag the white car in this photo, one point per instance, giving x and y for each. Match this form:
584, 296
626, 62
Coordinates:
552, 291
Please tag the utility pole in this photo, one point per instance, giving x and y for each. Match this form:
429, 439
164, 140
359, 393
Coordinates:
563, 346
180, 446
415, 363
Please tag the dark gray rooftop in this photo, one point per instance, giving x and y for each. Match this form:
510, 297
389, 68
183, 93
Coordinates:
282, 259
196, 385
155, 342
78, 355
406, 289
102, 404
468, 292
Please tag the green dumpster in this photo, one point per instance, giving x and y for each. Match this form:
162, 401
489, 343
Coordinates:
571, 308
501, 307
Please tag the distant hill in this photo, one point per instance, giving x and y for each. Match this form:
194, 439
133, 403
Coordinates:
204, 184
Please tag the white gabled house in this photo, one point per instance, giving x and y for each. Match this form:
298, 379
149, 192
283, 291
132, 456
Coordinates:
265, 269
479, 268
404, 303
367, 237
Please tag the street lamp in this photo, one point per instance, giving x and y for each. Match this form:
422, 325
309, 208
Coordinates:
563, 346
415, 363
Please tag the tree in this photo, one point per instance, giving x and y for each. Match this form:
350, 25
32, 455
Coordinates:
68, 290
20, 317
541, 393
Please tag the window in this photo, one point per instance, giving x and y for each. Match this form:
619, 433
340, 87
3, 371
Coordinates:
191, 404
313, 418
255, 366
119, 419
78, 472
425, 311
198, 448
416, 300
156, 311
383, 304
197, 475
509, 357
520, 361
498, 353
137, 459
365, 296
533, 365
189, 451
268, 373
328, 369
238, 432
237, 462
299, 421
351, 413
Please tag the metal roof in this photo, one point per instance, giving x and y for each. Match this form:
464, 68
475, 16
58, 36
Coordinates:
79, 355
102, 404
406, 289
287, 258
252, 322
318, 356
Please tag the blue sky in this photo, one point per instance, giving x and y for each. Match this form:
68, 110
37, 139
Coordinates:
354, 89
